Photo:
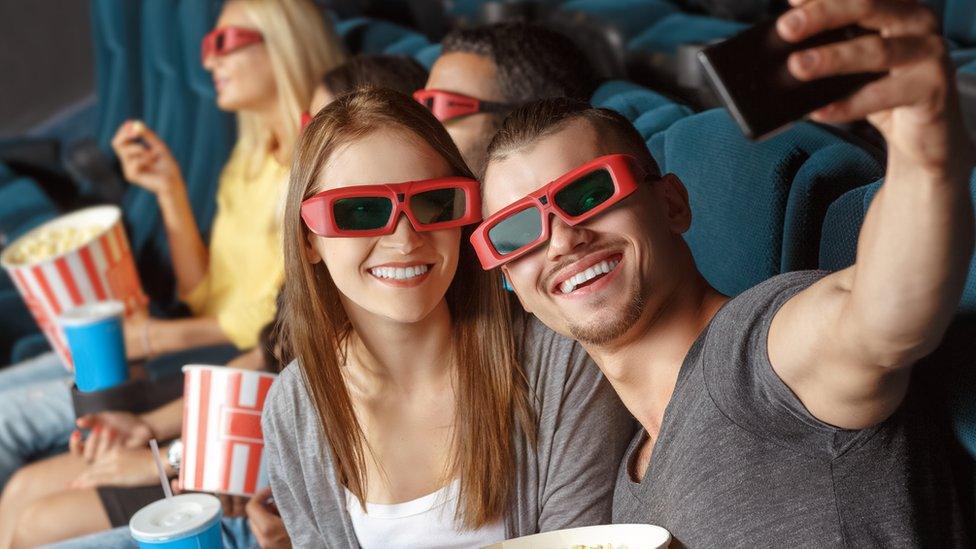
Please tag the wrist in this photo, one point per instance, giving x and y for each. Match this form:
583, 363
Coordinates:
171, 191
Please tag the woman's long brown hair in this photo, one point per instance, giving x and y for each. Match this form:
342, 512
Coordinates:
492, 402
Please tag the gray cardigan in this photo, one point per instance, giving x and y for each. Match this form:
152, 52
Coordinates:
566, 481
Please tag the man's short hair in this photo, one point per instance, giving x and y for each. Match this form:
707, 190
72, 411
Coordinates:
532, 61
395, 72
527, 124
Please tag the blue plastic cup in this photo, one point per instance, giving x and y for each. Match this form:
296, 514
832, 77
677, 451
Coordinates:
186, 521
94, 334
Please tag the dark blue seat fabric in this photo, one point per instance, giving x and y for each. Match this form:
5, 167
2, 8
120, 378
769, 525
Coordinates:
842, 223
427, 55
959, 22
213, 132
666, 35
22, 205
957, 354
630, 17
650, 112
366, 35
16, 322
756, 204
611, 88
629, 100
116, 43
408, 45
29, 346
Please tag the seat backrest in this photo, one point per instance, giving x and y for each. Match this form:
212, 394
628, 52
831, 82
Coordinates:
630, 17
665, 35
842, 224
118, 76
428, 55
755, 204
650, 112
959, 22
214, 131
366, 35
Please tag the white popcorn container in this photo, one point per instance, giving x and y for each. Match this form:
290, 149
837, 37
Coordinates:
100, 268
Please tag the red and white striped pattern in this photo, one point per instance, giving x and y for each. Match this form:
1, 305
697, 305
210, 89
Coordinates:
223, 446
100, 270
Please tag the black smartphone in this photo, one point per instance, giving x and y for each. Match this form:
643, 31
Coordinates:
749, 73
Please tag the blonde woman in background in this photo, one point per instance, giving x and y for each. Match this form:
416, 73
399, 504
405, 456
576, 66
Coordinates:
266, 57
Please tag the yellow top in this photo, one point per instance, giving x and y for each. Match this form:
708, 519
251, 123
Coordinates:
246, 261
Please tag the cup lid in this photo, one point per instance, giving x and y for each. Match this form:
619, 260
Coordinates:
177, 517
91, 312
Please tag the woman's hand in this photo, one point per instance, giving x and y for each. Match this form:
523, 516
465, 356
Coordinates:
146, 160
137, 331
106, 431
119, 466
265, 521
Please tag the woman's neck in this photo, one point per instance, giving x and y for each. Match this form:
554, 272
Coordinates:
272, 119
384, 354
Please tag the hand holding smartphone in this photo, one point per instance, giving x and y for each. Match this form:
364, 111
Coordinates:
749, 74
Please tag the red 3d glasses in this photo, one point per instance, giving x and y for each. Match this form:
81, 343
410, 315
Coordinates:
448, 105
575, 197
373, 210
227, 39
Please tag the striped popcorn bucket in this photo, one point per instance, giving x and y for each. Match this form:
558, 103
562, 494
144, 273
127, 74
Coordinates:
223, 446
74, 260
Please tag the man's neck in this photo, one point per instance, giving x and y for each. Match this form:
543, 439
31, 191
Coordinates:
643, 365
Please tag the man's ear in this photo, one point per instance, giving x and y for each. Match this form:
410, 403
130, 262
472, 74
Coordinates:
311, 254
678, 208
510, 286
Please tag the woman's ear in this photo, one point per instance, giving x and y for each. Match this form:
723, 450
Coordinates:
676, 203
311, 254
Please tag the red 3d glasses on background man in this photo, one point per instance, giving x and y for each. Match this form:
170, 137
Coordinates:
448, 105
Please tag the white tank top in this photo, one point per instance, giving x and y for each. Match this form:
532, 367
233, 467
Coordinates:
426, 522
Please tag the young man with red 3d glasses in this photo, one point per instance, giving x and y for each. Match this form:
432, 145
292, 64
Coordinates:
783, 417
485, 72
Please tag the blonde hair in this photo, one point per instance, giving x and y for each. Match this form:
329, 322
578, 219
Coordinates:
302, 46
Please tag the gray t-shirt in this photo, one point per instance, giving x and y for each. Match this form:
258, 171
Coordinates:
740, 462
566, 480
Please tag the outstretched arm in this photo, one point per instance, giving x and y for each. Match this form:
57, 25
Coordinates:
845, 345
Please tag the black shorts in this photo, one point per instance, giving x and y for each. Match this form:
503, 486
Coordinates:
121, 503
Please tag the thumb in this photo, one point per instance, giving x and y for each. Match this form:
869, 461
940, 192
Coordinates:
140, 129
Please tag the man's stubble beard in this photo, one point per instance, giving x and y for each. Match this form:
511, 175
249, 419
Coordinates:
602, 333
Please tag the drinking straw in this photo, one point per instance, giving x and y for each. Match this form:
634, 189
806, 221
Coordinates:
159, 467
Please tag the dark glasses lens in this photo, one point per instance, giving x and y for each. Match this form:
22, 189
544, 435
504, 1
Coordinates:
218, 42
438, 205
516, 231
585, 193
362, 213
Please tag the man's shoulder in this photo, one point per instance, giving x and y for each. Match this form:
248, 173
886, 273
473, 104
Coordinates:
765, 298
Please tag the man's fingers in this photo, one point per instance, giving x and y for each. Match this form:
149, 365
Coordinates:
881, 95
870, 53
892, 17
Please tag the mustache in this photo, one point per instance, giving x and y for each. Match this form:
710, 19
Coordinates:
550, 273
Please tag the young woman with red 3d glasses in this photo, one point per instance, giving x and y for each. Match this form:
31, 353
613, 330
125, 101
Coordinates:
420, 411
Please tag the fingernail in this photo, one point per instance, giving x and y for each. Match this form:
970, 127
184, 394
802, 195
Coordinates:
807, 60
793, 21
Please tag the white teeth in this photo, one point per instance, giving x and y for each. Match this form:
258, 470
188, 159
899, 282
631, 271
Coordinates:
399, 273
599, 269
